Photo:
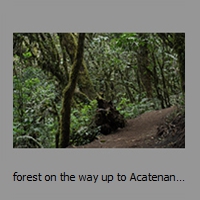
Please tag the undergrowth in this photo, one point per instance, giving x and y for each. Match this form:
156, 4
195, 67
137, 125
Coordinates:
83, 129
131, 110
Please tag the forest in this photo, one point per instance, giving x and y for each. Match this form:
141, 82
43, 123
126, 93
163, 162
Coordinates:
98, 90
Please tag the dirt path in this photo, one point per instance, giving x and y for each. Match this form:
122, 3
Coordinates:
138, 133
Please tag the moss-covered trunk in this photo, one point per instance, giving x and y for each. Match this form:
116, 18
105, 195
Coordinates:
69, 41
68, 94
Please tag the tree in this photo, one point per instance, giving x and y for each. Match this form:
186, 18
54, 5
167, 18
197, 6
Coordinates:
177, 42
68, 93
143, 63
180, 50
136, 71
69, 44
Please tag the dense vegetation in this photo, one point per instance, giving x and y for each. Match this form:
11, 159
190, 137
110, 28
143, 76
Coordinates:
57, 78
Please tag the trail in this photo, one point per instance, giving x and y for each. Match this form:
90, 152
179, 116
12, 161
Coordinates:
138, 132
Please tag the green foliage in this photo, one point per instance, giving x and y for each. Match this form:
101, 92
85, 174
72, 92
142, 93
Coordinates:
26, 141
84, 135
178, 100
127, 39
32, 108
82, 115
82, 129
40, 72
132, 110
27, 54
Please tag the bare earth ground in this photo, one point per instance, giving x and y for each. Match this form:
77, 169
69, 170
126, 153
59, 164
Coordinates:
139, 132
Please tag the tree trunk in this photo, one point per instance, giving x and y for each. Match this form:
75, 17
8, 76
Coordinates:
177, 42
143, 63
84, 83
180, 50
68, 93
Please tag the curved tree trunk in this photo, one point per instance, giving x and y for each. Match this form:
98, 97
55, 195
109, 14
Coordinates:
69, 40
68, 93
